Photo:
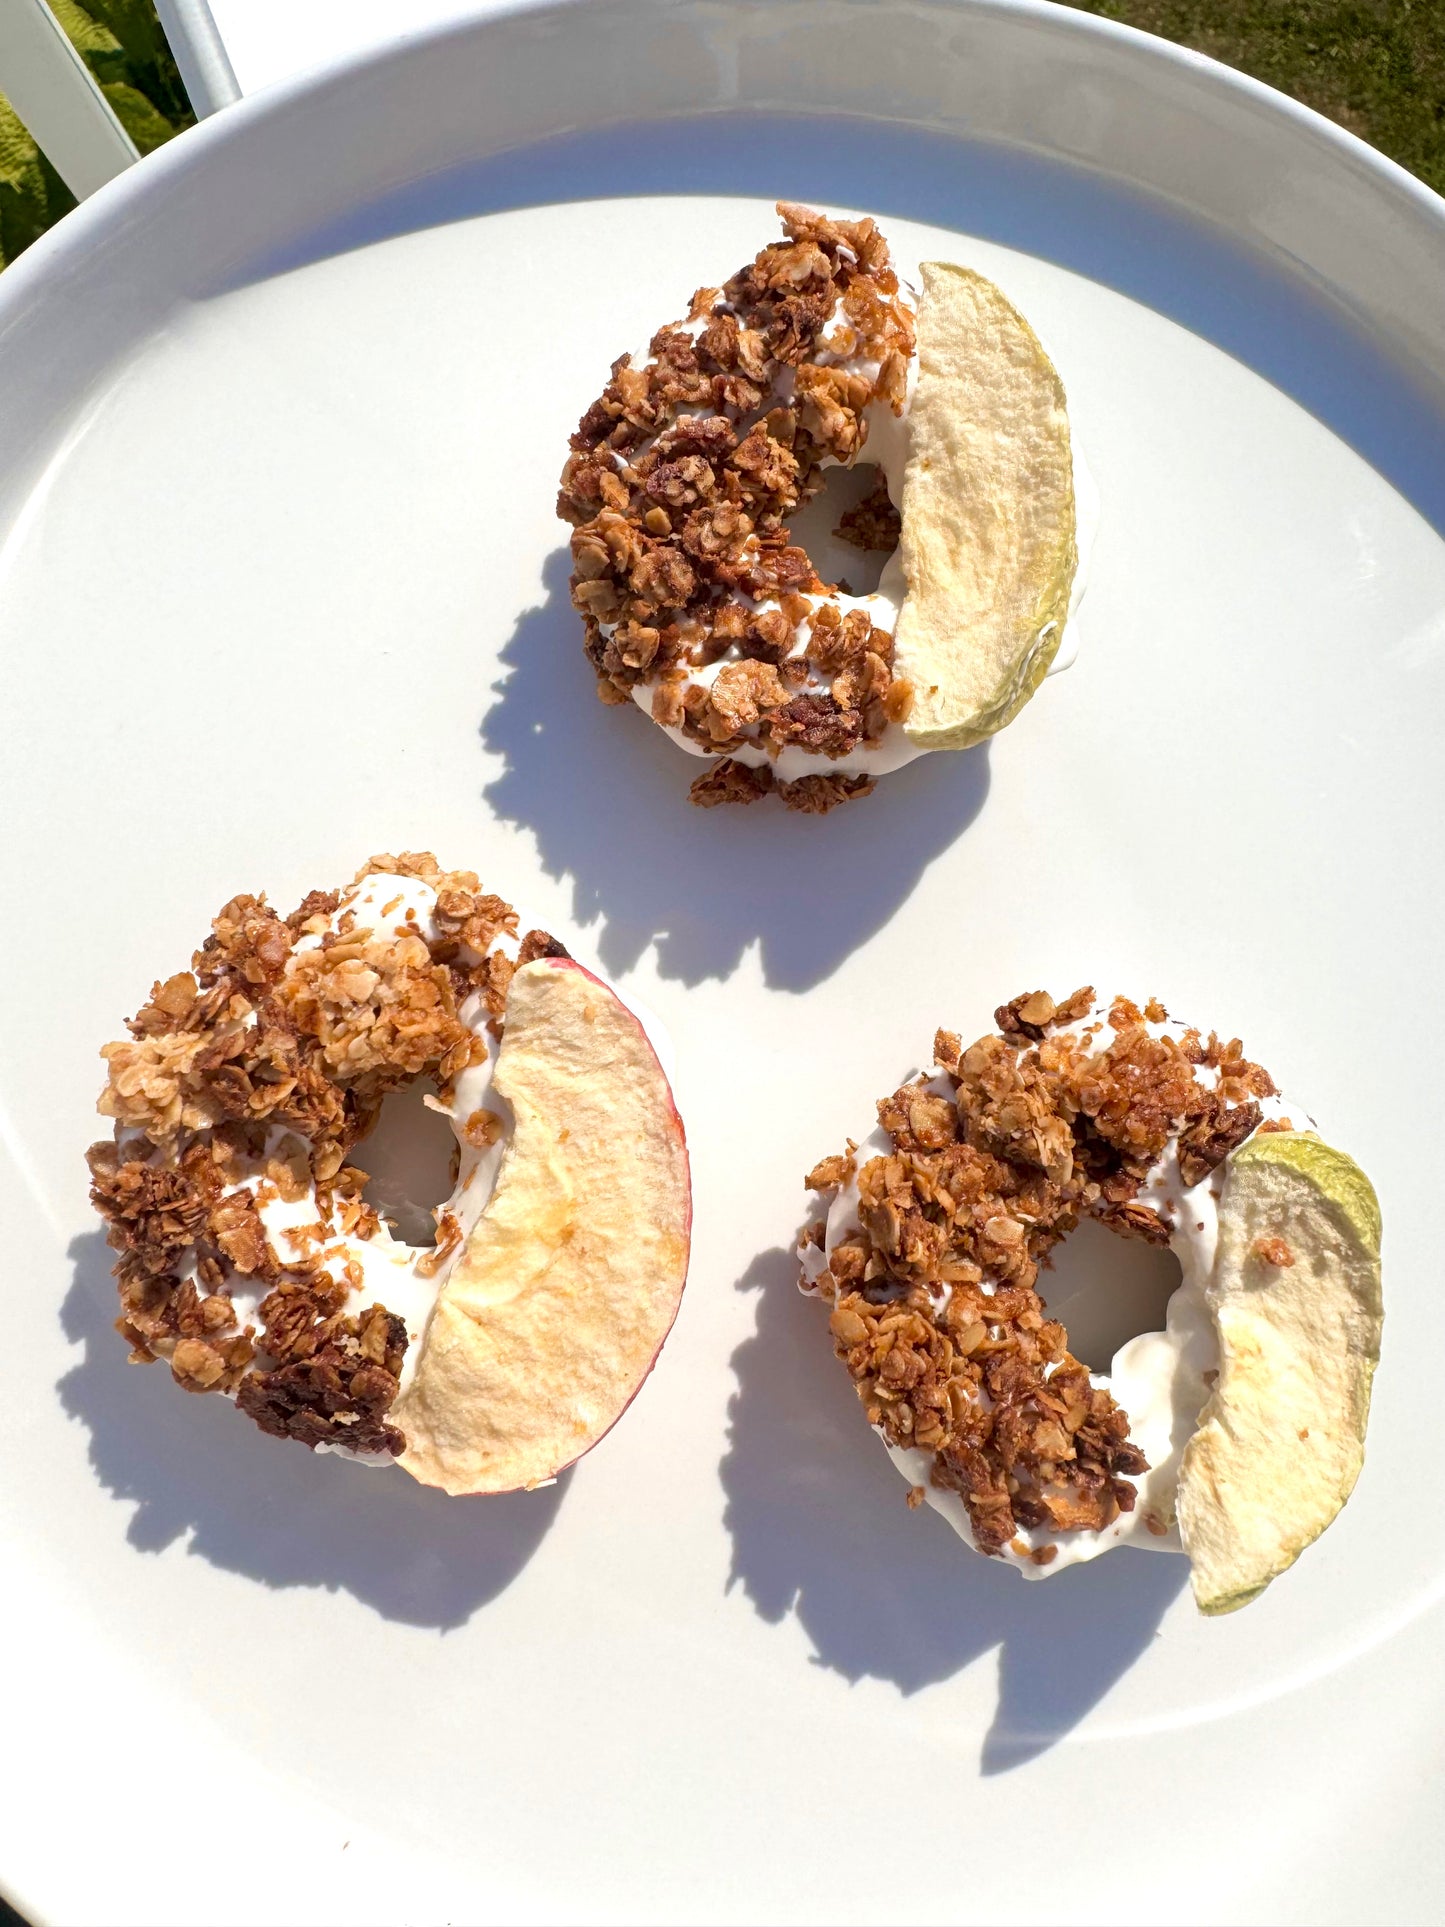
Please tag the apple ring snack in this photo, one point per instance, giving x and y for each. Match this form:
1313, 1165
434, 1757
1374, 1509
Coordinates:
698, 603
1237, 1433
252, 1263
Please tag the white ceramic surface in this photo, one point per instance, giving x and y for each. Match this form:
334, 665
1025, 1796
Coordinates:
270, 40
280, 585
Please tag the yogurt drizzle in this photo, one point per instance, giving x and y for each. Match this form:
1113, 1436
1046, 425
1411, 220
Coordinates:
393, 1273
887, 445
1159, 1378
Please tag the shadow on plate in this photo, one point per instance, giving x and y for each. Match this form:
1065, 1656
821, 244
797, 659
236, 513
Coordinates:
820, 1527
193, 1467
605, 795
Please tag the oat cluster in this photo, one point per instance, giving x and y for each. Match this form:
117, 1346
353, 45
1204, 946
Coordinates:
272, 1059
936, 1308
681, 481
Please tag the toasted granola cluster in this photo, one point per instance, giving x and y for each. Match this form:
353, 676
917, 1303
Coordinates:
252, 1077
936, 1310
681, 481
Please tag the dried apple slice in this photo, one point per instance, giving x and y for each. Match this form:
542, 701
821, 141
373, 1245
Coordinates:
555, 1311
988, 537
1295, 1296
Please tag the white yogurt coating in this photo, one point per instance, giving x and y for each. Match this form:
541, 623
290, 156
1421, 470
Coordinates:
887, 445
1158, 1378
393, 1273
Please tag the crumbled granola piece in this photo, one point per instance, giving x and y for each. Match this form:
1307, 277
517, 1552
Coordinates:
816, 795
740, 694
830, 1173
335, 1397
872, 523
731, 782
1027, 1016
1133, 1220
935, 1303
681, 482
898, 703
482, 1129
1075, 1006
819, 722
537, 943
196, 1365
251, 1078
449, 1236
1273, 1251
1213, 1135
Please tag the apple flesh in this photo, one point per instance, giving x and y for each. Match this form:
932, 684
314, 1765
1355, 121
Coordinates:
1296, 1300
555, 1311
988, 519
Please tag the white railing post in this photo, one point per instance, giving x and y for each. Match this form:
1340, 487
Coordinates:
55, 94
200, 54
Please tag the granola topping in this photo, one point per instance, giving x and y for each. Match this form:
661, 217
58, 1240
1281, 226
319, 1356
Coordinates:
681, 483
249, 1258
934, 1253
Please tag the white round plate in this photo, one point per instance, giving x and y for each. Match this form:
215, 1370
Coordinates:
281, 586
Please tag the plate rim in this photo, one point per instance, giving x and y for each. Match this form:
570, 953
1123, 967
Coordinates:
49, 260
65, 244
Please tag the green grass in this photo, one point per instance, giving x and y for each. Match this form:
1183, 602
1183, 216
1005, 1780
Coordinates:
1375, 66
123, 46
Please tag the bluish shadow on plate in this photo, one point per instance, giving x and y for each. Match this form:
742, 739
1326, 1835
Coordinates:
195, 1469
1196, 274
821, 1528
604, 793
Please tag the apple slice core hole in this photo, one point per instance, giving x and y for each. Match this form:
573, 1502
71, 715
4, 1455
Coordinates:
410, 1153
1105, 1289
812, 529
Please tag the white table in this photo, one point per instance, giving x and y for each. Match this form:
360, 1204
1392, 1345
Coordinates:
268, 40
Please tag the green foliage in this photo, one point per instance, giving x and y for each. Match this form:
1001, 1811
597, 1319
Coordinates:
1375, 66
122, 44
140, 117
32, 194
135, 56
